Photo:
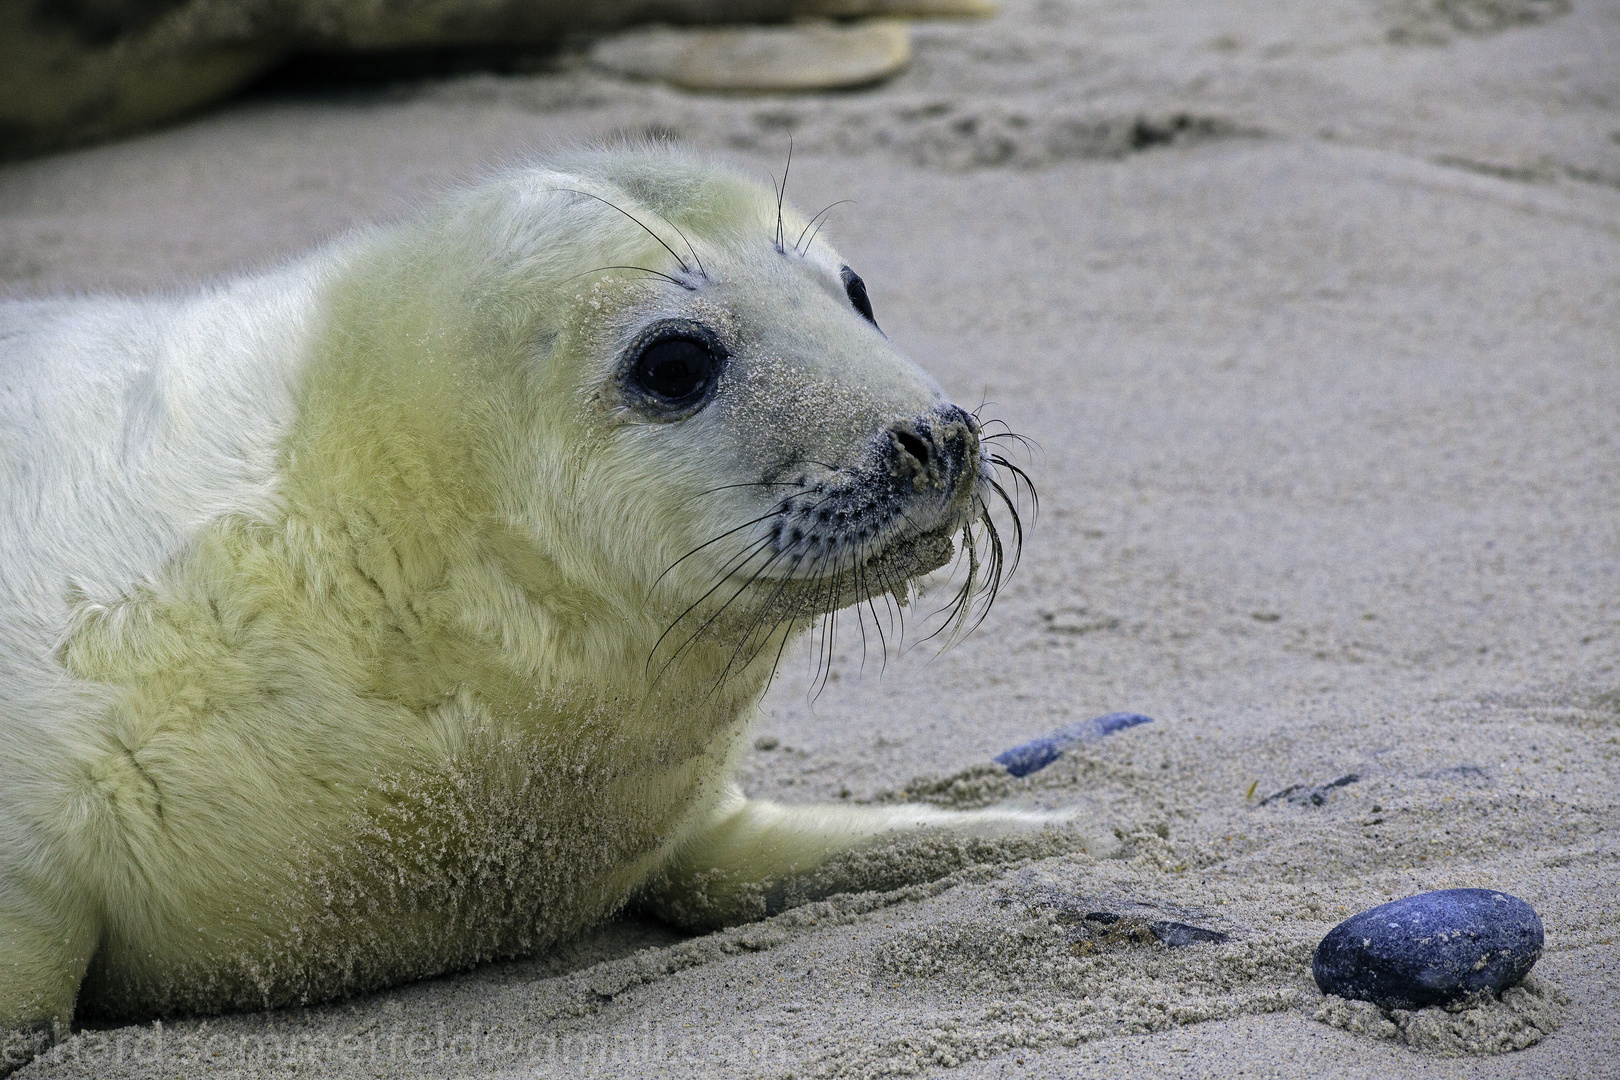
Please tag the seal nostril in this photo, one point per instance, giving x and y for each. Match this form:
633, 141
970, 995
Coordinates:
912, 445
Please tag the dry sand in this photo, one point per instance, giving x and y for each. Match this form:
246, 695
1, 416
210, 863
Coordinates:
1315, 316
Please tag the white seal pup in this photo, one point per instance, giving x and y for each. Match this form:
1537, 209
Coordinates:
407, 605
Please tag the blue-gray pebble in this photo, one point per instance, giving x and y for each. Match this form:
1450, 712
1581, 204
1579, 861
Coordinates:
1037, 754
1430, 949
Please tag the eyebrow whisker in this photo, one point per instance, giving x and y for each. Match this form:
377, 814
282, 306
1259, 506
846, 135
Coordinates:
781, 194
645, 270
638, 221
813, 221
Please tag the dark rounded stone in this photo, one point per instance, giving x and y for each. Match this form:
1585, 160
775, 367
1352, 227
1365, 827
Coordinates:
1430, 949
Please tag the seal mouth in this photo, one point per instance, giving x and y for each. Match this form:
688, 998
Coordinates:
862, 535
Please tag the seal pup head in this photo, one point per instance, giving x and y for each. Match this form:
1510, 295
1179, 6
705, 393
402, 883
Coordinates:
702, 433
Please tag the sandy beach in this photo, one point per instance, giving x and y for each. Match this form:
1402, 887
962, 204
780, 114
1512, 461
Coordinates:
1313, 317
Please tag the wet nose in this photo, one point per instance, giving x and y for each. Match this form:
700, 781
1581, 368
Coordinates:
937, 448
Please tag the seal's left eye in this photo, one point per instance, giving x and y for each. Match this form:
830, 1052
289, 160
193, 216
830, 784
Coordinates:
677, 371
855, 288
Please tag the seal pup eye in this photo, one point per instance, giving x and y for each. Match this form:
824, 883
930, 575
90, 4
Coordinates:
856, 290
674, 374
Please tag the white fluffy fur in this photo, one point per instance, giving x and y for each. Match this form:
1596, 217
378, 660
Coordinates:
327, 597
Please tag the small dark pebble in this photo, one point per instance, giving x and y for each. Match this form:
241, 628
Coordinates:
1096, 928
1176, 934
1430, 949
1465, 773
1302, 795
1037, 754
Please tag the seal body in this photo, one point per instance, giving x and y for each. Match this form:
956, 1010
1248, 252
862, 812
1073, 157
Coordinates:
406, 605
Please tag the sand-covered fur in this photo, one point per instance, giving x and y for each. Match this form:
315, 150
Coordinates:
368, 618
1327, 420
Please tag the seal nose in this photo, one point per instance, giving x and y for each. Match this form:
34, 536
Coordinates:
937, 448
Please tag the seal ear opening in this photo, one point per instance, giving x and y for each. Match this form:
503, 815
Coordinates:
855, 289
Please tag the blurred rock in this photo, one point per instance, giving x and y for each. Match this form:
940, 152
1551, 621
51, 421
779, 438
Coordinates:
798, 57
72, 71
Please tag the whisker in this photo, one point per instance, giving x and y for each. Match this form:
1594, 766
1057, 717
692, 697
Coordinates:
718, 612
695, 257
1028, 444
638, 221
781, 193
963, 595
877, 624
764, 610
730, 600
1020, 480
643, 269
772, 512
829, 631
863, 590
729, 487
1018, 525
735, 564
788, 620
860, 617
811, 222
749, 552
776, 661
996, 562
759, 619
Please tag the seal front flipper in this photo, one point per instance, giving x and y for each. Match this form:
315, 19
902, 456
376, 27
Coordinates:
44, 950
753, 858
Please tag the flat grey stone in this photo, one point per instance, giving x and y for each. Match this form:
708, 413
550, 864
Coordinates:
799, 57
